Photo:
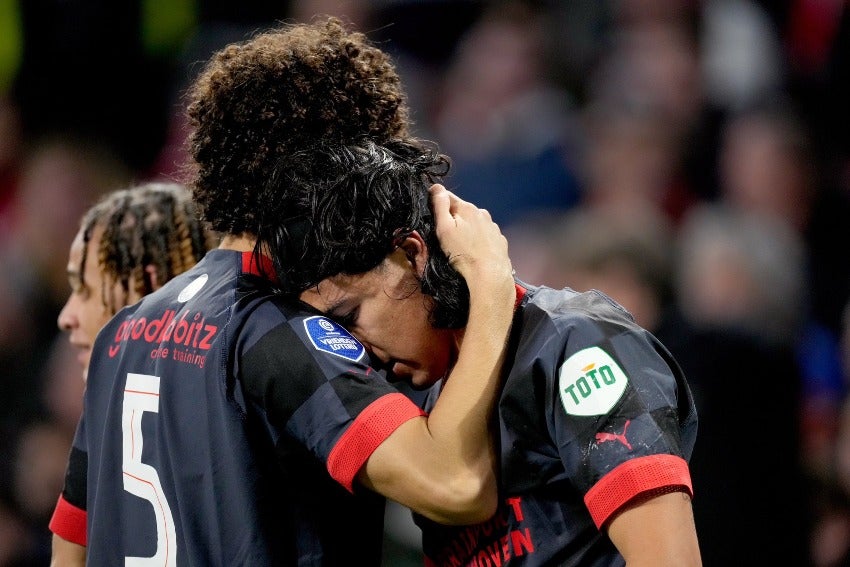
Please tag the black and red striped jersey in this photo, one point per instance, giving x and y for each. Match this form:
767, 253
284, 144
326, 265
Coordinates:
595, 412
224, 425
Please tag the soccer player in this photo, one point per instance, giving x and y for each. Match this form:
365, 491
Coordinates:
596, 420
227, 423
130, 243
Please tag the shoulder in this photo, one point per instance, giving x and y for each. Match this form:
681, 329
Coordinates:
578, 318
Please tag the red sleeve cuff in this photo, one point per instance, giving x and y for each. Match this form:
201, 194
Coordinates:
69, 522
654, 473
370, 429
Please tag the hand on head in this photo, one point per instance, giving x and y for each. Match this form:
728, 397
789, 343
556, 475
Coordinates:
473, 243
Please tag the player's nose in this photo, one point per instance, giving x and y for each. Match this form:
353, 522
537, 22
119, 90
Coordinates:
67, 319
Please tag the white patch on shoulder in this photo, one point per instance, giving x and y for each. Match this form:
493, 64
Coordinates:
193, 288
590, 382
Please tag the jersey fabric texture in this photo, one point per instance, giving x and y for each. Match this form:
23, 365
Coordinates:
594, 414
224, 425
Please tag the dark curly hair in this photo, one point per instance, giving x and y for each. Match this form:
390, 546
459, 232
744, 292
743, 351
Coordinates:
155, 224
275, 94
348, 206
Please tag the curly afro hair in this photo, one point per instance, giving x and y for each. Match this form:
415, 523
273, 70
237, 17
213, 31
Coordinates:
287, 89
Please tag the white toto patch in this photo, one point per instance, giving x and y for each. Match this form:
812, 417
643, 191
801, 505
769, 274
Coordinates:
590, 382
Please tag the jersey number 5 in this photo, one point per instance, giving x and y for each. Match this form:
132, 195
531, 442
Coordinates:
141, 394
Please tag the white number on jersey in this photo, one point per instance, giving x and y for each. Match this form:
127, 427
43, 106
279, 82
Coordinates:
141, 394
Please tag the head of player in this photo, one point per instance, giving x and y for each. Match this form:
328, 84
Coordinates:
287, 110
359, 239
130, 243
283, 91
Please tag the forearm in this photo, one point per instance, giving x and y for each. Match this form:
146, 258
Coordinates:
458, 421
443, 466
67, 554
460, 416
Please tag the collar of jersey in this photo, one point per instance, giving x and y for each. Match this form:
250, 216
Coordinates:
258, 265
520, 294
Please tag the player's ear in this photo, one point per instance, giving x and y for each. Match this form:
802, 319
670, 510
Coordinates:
416, 252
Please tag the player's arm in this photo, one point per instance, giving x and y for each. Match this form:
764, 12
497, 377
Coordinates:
67, 554
443, 465
68, 522
657, 532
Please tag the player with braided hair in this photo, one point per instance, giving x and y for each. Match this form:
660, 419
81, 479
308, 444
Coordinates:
129, 244
227, 423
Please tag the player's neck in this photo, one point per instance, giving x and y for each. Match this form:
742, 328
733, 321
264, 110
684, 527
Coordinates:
240, 243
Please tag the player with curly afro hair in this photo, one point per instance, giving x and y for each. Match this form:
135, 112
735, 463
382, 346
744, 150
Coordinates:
280, 92
273, 105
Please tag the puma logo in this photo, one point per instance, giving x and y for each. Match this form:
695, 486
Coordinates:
621, 437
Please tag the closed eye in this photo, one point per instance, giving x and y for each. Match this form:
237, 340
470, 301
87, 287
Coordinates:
347, 320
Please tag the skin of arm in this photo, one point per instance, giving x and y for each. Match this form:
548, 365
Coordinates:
67, 554
658, 532
443, 466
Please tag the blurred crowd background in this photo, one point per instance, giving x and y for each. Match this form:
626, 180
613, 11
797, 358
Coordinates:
691, 158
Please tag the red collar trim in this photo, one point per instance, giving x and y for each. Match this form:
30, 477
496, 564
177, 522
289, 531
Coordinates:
262, 268
520, 294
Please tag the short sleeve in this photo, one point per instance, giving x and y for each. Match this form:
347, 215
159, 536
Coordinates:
330, 401
615, 416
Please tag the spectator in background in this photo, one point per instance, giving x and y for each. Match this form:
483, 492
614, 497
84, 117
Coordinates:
628, 259
632, 163
767, 169
738, 282
741, 271
58, 177
644, 104
504, 123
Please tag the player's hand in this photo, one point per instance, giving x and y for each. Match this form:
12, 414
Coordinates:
472, 241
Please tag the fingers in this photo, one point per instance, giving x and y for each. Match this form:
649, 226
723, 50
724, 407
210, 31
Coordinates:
468, 236
445, 206
445, 203
441, 203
